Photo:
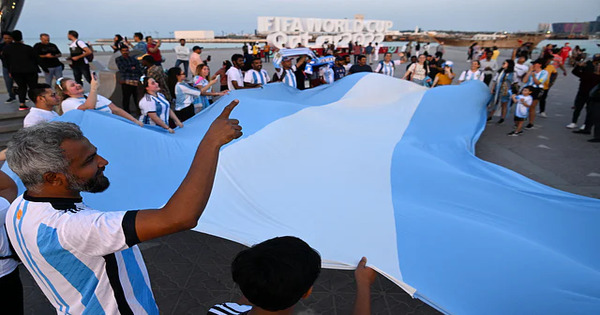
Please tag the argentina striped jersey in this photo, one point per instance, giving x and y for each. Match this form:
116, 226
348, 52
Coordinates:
84, 260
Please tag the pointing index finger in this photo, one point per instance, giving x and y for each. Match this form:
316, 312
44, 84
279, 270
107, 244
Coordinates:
227, 111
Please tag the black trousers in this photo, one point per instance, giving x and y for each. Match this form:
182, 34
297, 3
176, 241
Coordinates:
25, 82
542, 99
128, 91
81, 69
11, 293
594, 113
487, 78
186, 113
580, 100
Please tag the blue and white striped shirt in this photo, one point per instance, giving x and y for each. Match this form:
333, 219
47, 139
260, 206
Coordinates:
541, 76
387, 68
84, 260
185, 95
289, 77
154, 104
255, 77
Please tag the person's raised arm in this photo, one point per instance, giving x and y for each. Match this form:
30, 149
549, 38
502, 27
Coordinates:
92, 98
186, 205
365, 277
8, 188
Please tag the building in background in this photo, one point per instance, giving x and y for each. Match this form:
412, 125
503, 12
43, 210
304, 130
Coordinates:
194, 35
577, 28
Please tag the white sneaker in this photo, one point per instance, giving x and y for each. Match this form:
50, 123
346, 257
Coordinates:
543, 114
572, 126
582, 127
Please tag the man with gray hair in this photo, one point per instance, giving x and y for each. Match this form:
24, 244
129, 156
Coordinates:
86, 260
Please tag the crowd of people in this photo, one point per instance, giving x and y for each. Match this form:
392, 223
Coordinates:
56, 162
187, 95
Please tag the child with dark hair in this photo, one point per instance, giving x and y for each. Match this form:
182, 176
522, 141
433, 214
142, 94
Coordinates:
523, 103
276, 274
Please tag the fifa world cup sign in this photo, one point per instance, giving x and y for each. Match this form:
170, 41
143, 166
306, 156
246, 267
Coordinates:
289, 31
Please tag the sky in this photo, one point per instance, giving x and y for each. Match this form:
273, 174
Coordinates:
104, 18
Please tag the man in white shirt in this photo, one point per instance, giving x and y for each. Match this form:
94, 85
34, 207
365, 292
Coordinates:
183, 56
472, 74
347, 63
45, 99
235, 78
83, 259
376, 52
521, 67
257, 76
11, 289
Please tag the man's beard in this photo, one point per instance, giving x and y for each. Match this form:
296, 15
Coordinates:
95, 185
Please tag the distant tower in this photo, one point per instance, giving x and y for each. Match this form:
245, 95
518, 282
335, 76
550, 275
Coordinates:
9, 13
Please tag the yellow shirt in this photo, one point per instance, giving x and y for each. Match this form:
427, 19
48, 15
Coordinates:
550, 69
496, 54
443, 79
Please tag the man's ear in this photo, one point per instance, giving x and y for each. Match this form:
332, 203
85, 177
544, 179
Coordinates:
308, 293
55, 179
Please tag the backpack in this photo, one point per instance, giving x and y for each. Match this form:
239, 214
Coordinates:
381, 65
78, 50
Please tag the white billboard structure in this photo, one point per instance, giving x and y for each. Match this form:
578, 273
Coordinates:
191, 35
290, 31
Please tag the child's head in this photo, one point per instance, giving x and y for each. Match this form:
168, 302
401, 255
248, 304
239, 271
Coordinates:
527, 90
275, 274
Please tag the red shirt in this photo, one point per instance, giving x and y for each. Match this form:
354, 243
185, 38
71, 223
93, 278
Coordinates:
156, 55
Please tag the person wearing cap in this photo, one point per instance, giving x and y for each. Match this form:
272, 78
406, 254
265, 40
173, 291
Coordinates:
130, 72
287, 72
195, 58
338, 68
535, 77
445, 77
387, 65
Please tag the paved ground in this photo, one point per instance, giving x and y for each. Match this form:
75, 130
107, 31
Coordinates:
190, 271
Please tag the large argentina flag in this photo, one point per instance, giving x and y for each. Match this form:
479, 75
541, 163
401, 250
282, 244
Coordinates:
378, 167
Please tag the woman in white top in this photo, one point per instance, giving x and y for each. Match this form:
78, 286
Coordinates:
155, 108
74, 97
418, 72
185, 95
201, 82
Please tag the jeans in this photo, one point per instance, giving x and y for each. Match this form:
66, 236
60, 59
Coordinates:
79, 69
55, 73
186, 65
8, 81
25, 80
128, 91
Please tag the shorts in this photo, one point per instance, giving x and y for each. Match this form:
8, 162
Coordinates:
535, 94
517, 118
